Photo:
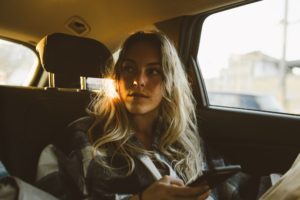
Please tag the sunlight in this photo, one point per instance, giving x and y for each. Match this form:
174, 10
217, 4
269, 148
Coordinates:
108, 87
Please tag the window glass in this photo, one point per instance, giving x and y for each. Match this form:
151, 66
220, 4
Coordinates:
103, 84
249, 56
97, 83
17, 63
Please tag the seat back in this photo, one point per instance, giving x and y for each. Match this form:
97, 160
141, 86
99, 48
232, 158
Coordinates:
32, 117
70, 59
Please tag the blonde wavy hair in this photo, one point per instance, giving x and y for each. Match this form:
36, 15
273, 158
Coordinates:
179, 139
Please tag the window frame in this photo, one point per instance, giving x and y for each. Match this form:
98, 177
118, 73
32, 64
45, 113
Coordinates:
35, 73
188, 49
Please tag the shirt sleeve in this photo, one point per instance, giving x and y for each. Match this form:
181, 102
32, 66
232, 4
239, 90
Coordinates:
65, 176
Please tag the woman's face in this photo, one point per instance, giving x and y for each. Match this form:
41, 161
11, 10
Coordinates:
140, 84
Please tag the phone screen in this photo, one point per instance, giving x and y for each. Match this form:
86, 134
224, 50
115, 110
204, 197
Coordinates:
216, 176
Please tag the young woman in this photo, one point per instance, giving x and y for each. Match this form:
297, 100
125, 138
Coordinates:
145, 139
154, 114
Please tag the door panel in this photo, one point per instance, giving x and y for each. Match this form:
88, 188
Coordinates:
261, 143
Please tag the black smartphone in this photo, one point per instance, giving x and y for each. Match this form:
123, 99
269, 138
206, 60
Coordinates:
216, 176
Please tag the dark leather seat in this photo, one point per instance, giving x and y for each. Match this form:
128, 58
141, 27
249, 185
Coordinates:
68, 58
31, 117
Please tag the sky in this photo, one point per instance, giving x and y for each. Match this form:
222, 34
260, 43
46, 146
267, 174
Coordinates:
253, 27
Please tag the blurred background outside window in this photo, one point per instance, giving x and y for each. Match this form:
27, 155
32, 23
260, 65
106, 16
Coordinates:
249, 56
17, 63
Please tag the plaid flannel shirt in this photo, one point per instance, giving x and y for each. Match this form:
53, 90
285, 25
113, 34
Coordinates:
68, 170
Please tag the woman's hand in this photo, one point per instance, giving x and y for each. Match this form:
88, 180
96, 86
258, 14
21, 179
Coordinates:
168, 188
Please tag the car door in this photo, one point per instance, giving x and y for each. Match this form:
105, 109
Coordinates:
263, 141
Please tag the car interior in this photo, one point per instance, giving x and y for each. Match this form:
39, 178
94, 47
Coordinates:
77, 39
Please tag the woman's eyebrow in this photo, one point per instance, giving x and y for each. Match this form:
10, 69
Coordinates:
128, 60
154, 63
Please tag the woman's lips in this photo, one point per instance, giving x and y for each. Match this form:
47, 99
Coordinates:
137, 94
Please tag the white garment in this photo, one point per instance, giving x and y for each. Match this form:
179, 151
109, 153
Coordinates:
288, 186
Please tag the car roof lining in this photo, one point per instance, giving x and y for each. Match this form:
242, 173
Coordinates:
34, 19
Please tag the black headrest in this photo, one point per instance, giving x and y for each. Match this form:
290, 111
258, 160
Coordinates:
67, 54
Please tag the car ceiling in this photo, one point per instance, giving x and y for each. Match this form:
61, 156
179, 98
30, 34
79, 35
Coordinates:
109, 20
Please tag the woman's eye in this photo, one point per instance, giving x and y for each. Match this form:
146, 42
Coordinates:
128, 68
154, 72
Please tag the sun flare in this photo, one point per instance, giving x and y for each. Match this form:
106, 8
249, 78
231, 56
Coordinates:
109, 88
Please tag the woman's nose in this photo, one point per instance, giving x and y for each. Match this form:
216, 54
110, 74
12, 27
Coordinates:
140, 80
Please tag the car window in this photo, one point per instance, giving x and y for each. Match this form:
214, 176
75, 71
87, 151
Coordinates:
252, 61
17, 63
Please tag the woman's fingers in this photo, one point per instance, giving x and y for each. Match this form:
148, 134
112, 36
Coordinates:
203, 188
171, 181
188, 191
204, 195
174, 189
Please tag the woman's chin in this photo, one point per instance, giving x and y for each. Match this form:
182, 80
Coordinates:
137, 111
140, 110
